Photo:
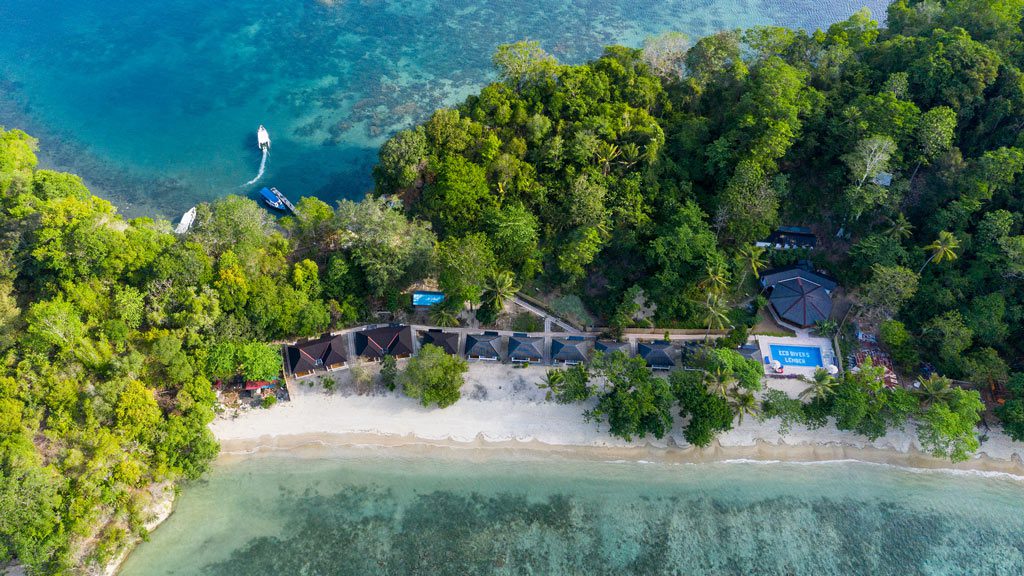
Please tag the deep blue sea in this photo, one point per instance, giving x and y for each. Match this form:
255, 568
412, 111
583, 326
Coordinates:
373, 511
156, 104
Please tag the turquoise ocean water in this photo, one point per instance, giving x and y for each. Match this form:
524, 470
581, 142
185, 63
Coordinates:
370, 511
156, 104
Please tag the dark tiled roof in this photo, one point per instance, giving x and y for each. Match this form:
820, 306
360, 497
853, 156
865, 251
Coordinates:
447, 341
801, 302
609, 346
483, 345
316, 354
568, 350
657, 354
525, 348
389, 340
773, 277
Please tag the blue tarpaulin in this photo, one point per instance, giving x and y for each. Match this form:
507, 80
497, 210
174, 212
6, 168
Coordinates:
423, 298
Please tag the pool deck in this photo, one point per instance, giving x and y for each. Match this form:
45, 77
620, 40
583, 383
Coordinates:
828, 356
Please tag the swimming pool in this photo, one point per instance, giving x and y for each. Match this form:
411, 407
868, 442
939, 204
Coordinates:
808, 356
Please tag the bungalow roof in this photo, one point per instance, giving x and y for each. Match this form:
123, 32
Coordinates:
316, 354
568, 350
483, 345
447, 341
389, 340
657, 354
525, 347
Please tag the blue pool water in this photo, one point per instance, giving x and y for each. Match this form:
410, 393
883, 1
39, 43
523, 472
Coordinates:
156, 104
808, 356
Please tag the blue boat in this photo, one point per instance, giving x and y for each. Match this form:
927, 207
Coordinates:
272, 197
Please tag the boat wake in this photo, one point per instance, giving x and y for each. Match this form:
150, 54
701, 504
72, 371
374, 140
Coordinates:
263, 165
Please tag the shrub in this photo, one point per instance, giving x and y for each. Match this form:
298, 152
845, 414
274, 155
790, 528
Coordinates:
896, 338
434, 377
527, 322
389, 372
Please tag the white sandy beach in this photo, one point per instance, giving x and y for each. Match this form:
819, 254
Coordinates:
502, 407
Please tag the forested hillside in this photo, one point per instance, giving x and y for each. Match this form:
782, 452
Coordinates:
647, 171
657, 169
110, 333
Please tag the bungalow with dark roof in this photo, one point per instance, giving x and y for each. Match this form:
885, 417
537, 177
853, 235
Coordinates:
658, 354
447, 341
610, 346
525, 348
324, 353
486, 346
376, 343
569, 351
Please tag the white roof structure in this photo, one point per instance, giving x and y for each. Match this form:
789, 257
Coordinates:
186, 221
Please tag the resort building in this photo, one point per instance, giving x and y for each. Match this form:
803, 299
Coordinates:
569, 351
610, 346
799, 297
376, 343
524, 348
306, 358
790, 238
447, 341
659, 354
486, 346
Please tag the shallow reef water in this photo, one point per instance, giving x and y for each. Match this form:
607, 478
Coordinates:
366, 511
156, 104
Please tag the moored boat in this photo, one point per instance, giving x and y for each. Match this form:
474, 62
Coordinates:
275, 199
271, 199
263, 138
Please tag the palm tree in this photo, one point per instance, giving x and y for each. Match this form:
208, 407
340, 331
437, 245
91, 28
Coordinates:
752, 257
933, 389
499, 288
551, 382
606, 153
821, 386
444, 315
899, 228
714, 314
630, 154
743, 403
719, 381
716, 279
943, 248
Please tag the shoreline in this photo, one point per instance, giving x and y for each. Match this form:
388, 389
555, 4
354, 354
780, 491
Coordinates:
503, 415
158, 511
326, 445
502, 410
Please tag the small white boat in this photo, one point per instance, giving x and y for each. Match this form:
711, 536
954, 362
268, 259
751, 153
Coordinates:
186, 221
263, 138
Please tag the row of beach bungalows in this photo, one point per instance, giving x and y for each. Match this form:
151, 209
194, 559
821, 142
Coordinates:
328, 353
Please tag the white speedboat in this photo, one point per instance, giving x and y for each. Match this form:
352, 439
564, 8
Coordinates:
263, 138
186, 221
